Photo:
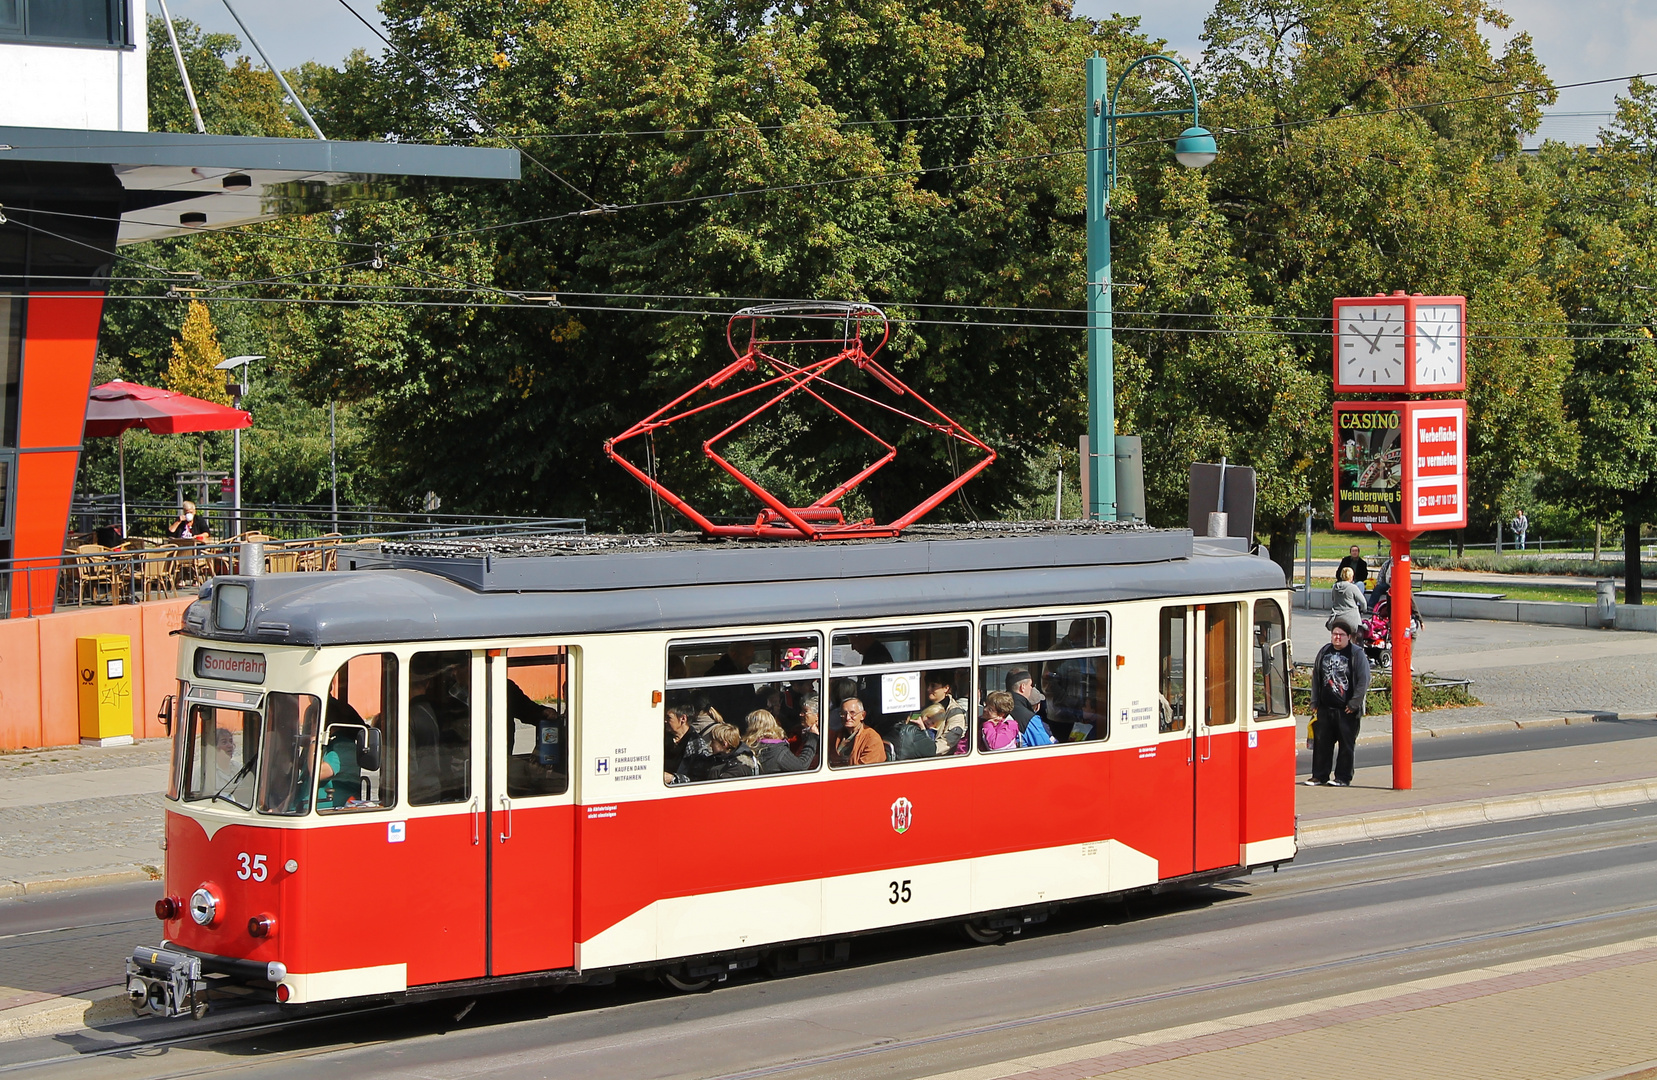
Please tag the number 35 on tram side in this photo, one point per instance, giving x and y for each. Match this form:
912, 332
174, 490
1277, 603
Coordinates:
443, 769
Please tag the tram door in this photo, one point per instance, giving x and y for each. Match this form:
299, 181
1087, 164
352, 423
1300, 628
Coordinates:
1217, 736
532, 692
1180, 695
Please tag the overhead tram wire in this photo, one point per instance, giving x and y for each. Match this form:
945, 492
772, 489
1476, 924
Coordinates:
530, 305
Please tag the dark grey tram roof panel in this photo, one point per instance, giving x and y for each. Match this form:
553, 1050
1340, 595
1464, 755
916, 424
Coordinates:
563, 563
399, 604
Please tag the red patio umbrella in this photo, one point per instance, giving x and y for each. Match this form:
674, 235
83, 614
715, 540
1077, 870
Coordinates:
116, 406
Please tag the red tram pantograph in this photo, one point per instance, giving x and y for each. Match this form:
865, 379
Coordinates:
848, 325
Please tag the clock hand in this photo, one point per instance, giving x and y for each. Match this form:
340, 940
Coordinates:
1354, 328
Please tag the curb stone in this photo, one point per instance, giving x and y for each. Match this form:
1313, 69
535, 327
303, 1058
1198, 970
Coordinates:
1404, 822
1490, 727
11, 890
96, 1008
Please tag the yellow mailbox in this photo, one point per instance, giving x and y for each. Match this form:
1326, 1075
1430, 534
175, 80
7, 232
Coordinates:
103, 669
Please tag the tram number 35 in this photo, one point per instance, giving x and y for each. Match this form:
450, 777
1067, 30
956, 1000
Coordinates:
254, 867
900, 892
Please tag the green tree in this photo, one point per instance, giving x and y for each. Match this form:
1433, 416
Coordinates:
1330, 182
1604, 264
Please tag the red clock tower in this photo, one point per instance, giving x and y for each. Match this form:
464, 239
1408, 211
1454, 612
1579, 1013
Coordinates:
1400, 463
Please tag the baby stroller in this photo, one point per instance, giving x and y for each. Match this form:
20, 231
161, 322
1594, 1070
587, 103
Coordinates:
1375, 633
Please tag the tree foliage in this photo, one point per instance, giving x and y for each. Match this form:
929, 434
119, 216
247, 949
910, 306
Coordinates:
922, 155
193, 368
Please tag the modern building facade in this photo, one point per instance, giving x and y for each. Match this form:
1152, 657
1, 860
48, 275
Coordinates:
80, 178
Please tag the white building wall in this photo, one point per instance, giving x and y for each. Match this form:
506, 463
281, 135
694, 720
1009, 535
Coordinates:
51, 86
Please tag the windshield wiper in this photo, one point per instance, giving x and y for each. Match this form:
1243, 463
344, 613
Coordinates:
228, 784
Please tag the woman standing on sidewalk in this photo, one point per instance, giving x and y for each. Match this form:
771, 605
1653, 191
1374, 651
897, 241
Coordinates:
1340, 683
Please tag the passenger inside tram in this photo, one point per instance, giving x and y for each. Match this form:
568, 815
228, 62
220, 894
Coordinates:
726, 757
859, 744
999, 731
771, 748
440, 727
950, 729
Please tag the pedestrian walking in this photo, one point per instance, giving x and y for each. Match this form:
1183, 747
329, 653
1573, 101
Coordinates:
1346, 603
1521, 526
1340, 683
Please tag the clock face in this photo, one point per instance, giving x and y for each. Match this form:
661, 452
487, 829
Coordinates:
1370, 345
1438, 345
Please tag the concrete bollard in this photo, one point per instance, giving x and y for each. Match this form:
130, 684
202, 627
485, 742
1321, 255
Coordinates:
1606, 595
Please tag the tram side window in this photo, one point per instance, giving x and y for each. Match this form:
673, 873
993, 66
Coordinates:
1171, 671
358, 770
288, 776
913, 694
1220, 654
1271, 662
1057, 670
221, 754
742, 707
538, 725
440, 727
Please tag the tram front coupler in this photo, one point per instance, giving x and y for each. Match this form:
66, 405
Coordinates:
163, 982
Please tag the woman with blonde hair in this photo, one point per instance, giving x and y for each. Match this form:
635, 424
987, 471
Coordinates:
766, 739
1346, 603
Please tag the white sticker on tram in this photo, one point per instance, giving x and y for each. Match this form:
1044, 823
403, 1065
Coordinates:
900, 691
395, 832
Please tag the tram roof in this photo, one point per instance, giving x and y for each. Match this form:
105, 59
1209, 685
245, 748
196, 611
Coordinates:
525, 586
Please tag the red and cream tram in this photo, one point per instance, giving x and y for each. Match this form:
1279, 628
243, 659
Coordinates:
441, 769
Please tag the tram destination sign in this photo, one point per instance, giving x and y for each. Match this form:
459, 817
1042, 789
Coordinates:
230, 666
1400, 466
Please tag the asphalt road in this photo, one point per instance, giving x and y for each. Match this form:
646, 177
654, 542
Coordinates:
1341, 919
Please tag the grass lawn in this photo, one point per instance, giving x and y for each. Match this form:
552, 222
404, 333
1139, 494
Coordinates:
1561, 593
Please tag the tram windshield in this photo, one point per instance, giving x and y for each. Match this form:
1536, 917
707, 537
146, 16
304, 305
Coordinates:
287, 778
221, 754
232, 754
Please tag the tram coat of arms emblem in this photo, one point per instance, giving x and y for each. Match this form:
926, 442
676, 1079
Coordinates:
903, 815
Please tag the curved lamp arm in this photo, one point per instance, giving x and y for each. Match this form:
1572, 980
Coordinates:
1112, 116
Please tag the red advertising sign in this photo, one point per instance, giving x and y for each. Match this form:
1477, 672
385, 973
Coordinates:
1400, 466
1438, 465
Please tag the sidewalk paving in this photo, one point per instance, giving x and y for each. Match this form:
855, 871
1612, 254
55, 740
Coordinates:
1580, 1015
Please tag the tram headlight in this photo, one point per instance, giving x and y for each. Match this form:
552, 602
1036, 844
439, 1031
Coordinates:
204, 906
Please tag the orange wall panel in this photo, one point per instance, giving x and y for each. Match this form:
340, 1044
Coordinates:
60, 339
159, 663
45, 483
19, 684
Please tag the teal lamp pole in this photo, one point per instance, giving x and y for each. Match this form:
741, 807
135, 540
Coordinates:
1194, 148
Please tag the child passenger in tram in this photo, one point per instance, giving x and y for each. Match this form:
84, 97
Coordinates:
999, 729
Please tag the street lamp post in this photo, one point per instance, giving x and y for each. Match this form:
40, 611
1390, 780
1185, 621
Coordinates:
1194, 148
236, 386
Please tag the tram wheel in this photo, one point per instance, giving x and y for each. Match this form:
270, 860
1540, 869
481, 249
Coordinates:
684, 985
978, 932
